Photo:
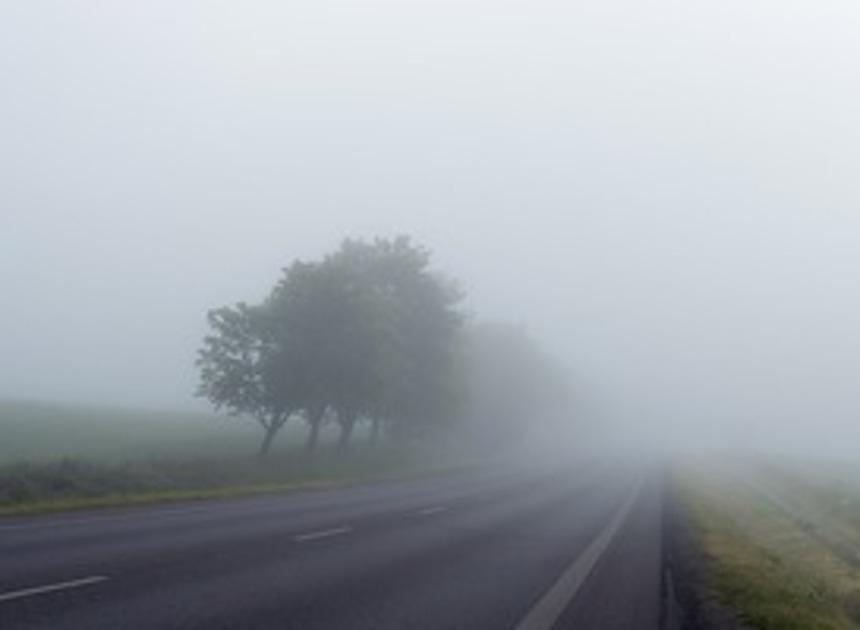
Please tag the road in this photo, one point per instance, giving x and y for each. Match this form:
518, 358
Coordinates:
527, 547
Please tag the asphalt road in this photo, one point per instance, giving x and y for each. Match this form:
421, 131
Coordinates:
531, 548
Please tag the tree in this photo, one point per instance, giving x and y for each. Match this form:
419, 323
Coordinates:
367, 332
410, 322
323, 323
299, 311
240, 369
515, 389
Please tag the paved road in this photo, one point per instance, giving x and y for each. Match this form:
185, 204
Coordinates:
574, 547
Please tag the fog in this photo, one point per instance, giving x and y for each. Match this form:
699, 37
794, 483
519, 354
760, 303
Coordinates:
663, 193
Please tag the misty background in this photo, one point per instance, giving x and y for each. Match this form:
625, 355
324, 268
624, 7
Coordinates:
664, 193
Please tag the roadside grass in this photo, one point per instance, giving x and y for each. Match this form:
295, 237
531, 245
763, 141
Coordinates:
78, 484
153, 497
830, 488
55, 458
760, 563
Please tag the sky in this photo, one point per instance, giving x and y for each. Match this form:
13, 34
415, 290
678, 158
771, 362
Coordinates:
663, 192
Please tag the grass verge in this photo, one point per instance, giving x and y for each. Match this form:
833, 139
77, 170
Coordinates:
759, 563
151, 498
80, 484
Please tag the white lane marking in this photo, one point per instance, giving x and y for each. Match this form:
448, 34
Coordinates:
50, 588
429, 511
550, 607
325, 533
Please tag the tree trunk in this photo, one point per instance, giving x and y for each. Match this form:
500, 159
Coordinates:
374, 431
313, 434
347, 424
276, 421
315, 420
271, 430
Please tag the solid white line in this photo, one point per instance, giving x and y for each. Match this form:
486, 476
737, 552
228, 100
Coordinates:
431, 510
550, 607
50, 588
325, 533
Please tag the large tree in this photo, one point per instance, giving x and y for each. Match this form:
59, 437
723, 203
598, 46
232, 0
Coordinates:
368, 332
242, 370
388, 336
409, 318
335, 328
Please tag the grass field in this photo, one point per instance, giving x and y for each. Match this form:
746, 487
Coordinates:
830, 489
63, 457
769, 558
38, 432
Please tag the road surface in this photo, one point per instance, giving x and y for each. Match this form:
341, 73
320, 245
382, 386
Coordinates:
526, 548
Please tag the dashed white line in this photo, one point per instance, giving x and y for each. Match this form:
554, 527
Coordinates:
325, 533
429, 511
50, 588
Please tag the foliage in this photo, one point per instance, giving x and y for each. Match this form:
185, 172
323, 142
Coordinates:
367, 332
514, 388
242, 369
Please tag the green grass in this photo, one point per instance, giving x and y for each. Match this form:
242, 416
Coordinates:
831, 488
38, 432
70, 503
75, 484
761, 563
64, 457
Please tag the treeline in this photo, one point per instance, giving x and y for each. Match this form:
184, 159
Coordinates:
371, 334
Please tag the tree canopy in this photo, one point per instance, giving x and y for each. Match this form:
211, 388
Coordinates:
369, 332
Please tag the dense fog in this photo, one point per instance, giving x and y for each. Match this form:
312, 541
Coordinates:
662, 193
